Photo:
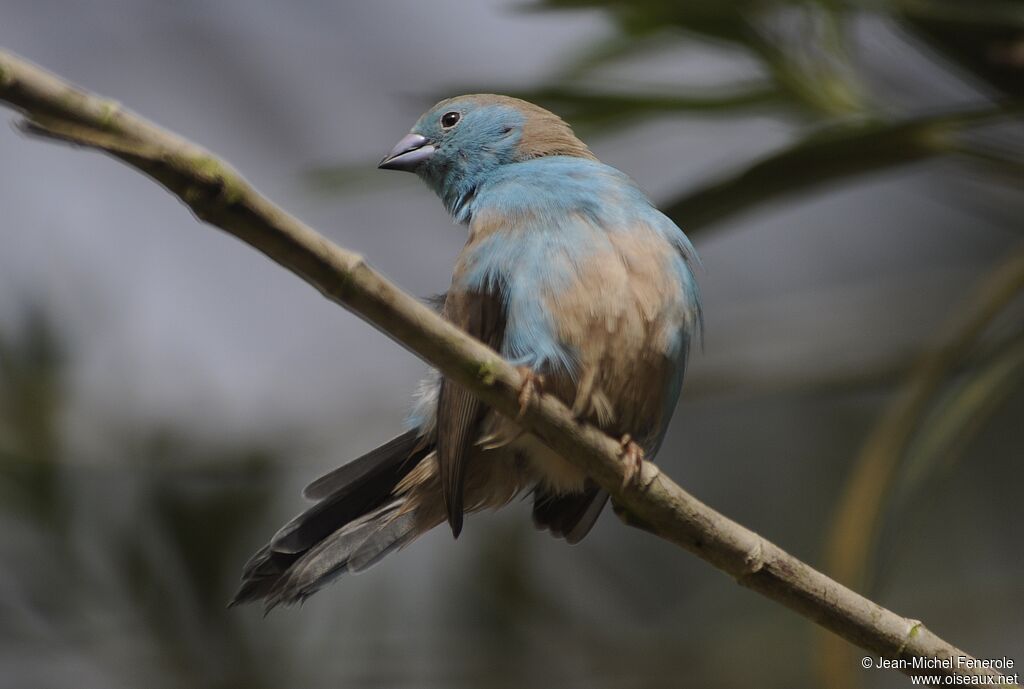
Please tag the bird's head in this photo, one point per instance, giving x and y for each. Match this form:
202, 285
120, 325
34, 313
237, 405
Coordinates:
459, 141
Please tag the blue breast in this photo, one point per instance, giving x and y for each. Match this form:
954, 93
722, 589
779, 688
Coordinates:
559, 210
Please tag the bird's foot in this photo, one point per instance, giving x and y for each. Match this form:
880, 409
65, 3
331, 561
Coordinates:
532, 387
633, 457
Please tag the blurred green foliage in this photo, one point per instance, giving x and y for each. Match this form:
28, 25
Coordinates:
804, 49
160, 561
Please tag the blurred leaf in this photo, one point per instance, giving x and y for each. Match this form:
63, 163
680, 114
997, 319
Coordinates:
962, 413
826, 83
1000, 13
32, 390
998, 162
983, 37
827, 157
857, 516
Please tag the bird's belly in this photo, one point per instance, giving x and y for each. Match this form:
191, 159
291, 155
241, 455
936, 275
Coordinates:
551, 469
504, 441
622, 316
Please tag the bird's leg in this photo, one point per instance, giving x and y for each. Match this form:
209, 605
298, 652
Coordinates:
633, 456
533, 385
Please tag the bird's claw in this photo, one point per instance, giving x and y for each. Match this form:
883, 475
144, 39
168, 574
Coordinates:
532, 386
633, 457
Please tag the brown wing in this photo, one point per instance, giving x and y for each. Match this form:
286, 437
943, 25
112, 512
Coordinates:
458, 412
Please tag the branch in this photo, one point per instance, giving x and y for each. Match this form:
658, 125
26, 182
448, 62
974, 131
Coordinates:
218, 195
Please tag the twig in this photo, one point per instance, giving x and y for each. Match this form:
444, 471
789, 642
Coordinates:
218, 195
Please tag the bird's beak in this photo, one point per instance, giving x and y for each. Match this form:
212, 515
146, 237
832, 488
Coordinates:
408, 153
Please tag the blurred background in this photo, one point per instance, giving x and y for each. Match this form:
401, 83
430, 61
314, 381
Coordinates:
851, 173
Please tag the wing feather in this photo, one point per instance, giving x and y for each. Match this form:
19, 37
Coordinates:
482, 315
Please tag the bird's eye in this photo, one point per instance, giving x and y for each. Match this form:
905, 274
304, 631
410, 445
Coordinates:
450, 119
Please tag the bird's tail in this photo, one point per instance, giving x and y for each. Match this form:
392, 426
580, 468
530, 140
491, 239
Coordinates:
358, 519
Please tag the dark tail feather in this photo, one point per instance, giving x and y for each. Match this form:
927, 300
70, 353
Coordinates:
375, 463
355, 523
352, 548
569, 516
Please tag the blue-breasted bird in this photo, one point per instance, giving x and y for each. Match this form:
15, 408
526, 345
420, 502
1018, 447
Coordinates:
570, 273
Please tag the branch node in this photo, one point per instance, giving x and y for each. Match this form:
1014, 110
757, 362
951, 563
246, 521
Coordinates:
109, 110
913, 631
212, 171
753, 561
487, 373
357, 262
649, 473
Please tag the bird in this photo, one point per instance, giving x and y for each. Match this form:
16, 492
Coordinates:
572, 274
